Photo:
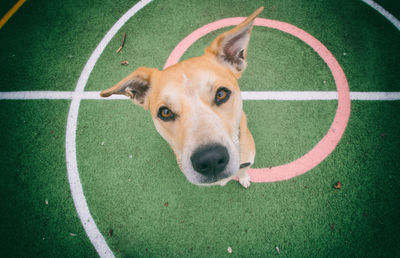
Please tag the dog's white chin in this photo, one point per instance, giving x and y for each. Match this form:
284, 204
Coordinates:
221, 182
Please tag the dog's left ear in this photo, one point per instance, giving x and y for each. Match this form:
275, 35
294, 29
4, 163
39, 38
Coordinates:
231, 47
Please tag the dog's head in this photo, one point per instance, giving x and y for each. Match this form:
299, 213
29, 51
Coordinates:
196, 105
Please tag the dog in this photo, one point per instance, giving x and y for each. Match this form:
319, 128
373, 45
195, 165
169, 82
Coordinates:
196, 106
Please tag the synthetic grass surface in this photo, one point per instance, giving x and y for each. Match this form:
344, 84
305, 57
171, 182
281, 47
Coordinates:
132, 182
46, 44
38, 217
358, 36
391, 5
152, 209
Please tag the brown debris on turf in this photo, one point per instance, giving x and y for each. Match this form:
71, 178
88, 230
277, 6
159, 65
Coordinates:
166, 204
110, 232
337, 185
122, 43
125, 62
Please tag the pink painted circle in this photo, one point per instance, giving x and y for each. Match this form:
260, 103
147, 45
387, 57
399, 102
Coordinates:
329, 142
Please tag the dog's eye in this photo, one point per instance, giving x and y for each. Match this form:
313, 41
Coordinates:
165, 114
222, 95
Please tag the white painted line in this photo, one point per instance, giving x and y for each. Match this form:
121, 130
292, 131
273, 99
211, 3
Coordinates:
25, 95
375, 96
289, 95
246, 95
95, 236
317, 95
385, 13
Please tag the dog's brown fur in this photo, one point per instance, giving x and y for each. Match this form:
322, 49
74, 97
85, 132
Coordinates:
188, 90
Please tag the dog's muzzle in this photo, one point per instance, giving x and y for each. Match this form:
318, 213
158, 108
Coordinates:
210, 160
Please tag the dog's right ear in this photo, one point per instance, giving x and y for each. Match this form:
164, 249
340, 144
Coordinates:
136, 86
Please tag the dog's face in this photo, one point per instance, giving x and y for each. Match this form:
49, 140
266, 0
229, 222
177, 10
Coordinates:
196, 105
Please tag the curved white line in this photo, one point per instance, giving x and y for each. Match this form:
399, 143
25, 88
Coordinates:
385, 13
78, 197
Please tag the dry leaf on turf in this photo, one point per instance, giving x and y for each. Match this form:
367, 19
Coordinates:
337, 185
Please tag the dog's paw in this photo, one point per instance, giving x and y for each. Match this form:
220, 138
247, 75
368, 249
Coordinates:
245, 181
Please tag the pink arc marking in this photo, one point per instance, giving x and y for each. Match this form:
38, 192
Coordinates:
329, 142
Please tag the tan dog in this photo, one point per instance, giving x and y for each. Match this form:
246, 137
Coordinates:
196, 107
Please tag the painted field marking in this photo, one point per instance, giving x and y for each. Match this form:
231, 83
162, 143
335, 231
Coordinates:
11, 12
95, 236
246, 95
385, 13
329, 142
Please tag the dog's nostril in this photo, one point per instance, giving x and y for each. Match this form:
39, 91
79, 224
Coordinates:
210, 159
221, 161
203, 167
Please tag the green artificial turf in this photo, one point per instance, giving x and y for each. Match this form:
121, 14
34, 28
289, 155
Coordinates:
135, 188
271, 67
129, 173
284, 131
359, 37
38, 217
46, 44
392, 6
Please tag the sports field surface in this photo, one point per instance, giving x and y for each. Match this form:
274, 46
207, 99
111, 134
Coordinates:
83, 176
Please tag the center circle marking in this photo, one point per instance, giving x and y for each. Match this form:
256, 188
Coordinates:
329, 142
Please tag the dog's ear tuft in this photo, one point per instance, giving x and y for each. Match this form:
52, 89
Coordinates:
231, 47
136, 86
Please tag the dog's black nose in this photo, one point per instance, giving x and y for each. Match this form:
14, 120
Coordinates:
210, 159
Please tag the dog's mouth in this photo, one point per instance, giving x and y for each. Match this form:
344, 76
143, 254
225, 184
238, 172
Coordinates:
221, 179
244, 165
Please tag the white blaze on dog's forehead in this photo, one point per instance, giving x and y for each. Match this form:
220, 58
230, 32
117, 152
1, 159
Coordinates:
186, 80
187, 85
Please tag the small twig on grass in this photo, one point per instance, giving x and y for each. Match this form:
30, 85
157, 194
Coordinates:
122, 43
